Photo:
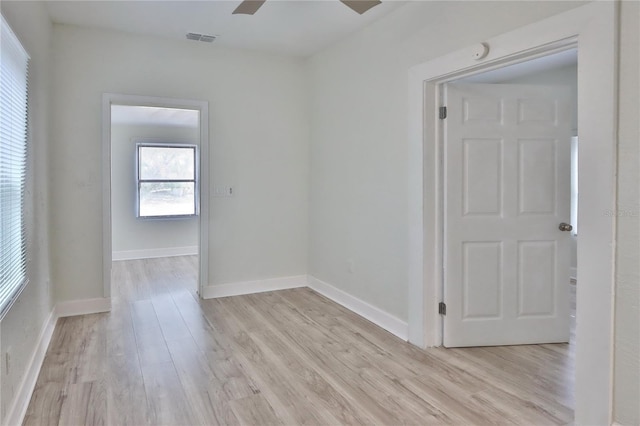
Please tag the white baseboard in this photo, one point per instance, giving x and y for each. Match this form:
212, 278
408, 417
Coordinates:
83, 307
18, 409
152, 253
573, 273
377, 316
257, 286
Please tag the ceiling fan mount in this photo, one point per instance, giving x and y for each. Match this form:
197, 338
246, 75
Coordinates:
249, 7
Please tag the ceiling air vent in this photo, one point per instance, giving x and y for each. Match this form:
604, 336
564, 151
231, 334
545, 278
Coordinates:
201, 37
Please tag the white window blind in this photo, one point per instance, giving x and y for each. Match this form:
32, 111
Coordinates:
14, 62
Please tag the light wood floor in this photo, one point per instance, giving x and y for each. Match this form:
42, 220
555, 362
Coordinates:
289, 357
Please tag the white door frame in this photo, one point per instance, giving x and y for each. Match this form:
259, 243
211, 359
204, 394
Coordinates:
109, 99
593, 29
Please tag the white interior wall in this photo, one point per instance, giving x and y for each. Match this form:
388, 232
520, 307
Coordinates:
23, 324
258, 143
358, 190
626, 397
130, 233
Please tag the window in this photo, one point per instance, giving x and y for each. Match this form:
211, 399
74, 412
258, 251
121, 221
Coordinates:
166, 180
574, 184
14, 62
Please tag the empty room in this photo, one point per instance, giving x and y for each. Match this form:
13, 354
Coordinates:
278, 212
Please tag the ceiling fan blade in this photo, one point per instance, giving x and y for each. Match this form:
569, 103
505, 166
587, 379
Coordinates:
248, 7
361, 6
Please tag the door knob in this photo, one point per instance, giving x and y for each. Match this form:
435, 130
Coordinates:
565, 227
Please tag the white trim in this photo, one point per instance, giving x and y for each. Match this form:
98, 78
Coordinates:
256, 286
573, 273
593, 28
15, 414
153, 253
203, 168
83, 307
377, 316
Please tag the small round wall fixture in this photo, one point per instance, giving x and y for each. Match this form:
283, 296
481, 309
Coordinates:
480, 51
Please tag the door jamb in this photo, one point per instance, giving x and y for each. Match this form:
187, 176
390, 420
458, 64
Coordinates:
109, 99
593, 28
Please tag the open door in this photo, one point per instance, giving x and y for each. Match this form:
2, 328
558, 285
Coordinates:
507, 198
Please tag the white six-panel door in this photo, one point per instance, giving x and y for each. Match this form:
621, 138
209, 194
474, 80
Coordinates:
507, 189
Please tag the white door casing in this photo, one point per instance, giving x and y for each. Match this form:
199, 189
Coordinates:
507, 189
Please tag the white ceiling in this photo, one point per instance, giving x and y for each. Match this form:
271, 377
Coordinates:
293, 27
154, 116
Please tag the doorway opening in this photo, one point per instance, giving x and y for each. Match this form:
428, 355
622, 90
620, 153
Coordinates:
510, 204
156, 202
154, 195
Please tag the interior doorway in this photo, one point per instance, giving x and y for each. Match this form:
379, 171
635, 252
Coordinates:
510, 190
155, 174
155, 186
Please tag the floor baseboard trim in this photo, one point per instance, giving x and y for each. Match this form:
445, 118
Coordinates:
250, 287
377, 316
153, 253
83, 307
18, 409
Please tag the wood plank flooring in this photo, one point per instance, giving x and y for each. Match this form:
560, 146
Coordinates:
163, 357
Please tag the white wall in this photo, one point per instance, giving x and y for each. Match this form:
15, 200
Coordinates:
258, 144
626, 399
359, 145
21, 327
129, 233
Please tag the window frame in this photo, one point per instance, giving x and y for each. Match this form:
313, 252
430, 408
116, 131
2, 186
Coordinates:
195, 180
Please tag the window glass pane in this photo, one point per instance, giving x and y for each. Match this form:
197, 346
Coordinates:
167, 198
166, 163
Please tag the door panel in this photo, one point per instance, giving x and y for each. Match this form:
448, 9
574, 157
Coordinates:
482, 180
507, 188
482, 281
537, 176
536, 267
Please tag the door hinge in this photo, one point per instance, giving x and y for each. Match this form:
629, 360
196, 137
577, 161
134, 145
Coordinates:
442, 308
442, 113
